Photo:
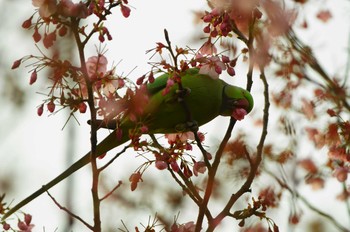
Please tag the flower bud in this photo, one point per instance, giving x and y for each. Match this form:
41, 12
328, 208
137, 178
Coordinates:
40, 110
26, 24
125, 11
33, 77
51, 106
82, 107
16, 64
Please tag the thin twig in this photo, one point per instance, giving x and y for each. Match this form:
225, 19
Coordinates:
114, 158
347, 202
307, 203
211, 175
187, 186
110, 192
311, 60
251, 50
69, 212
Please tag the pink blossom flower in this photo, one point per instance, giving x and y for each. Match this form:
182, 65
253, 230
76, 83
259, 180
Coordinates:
135, 178
239, 114
96, 66
51, 106
212, 67
16, 64
183, 137
69, 9
49, 39
33, 77
82, 107
36, 35
341, 173
24, 227
27, 218
27, 23
125, 11
6, 226
170, 82
46, 7
186, 227
174, 166
161, 165
199, 167
110, 85
40, 110
324, 15
208, 49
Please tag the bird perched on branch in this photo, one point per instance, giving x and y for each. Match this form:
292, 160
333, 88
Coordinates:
192, 101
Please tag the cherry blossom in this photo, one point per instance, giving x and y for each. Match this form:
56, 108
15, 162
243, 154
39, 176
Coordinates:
212, 66
341, 173
161, 165
199, 167
33, 77
125, 11
69, 9
208, 48
135, 178
182, 137
46, 7
96, 66
239, 114
324, 15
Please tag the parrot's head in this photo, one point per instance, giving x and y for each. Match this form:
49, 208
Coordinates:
236, 102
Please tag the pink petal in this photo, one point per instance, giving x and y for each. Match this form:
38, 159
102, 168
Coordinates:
239, 113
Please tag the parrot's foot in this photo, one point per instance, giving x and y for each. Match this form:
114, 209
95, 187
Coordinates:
181, 94
111, 124
187, 126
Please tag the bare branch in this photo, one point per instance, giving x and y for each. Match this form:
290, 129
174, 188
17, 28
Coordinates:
70, 212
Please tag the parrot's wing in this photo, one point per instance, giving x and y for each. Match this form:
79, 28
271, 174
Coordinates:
160, 82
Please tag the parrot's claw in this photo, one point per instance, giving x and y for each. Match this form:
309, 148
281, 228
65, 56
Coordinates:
111, 124
181, 94
188, 126
192, 125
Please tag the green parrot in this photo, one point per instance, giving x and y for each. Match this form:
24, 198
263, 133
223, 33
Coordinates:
205, 98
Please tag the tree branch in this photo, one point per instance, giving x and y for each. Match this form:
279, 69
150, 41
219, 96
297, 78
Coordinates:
211, 175
93, 127
254, 165
69, 212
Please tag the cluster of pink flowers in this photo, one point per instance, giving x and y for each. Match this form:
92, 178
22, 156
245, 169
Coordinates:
23, 226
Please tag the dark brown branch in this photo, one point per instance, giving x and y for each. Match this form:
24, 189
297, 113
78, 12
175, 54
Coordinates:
212, 174
254, 165
187, 186
93, 127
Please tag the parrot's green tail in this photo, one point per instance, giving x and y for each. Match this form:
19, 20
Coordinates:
76, 166
107, 144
